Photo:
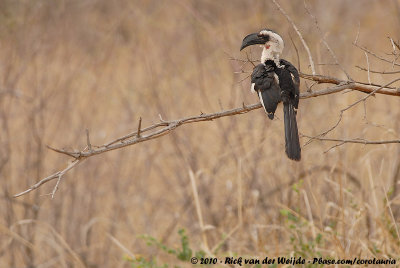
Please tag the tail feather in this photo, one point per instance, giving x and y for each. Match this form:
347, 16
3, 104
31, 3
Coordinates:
292, 143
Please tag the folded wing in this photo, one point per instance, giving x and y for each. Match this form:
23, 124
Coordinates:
265, 84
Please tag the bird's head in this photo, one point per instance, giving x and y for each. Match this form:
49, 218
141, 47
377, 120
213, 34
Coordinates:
271, 41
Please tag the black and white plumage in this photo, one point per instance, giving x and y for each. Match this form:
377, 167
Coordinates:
277, 80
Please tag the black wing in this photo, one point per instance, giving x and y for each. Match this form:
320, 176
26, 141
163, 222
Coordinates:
266, 87
289, 82
295, 90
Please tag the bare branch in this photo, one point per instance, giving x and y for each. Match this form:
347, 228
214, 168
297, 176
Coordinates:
377, 72
330, 90
356, 141
321, 79
299, 34
349, 107
375, 55
297, 53
359, 141
56, 175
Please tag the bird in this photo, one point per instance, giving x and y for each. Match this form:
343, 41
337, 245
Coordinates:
276, 80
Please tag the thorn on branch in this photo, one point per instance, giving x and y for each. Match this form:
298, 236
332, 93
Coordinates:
393, 45
139, 127
75, 155
89, 145
161, 119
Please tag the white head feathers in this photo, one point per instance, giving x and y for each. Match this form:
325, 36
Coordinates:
273, 48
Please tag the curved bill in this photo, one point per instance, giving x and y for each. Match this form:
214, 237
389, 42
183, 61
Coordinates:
254, 39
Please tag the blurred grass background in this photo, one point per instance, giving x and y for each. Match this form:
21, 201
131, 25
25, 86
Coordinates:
70, 65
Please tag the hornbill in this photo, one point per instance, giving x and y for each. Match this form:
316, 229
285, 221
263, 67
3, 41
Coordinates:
276, 80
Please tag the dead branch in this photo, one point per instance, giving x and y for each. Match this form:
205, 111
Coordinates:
375, 55
377, 72
348, 108
358, 141
56, 175
359, 86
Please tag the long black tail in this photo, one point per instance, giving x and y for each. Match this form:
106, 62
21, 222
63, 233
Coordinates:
292, 143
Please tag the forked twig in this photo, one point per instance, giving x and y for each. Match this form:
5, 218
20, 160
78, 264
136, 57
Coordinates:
58, 175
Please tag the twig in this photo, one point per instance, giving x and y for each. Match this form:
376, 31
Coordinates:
299, 34
344, 141
58, 175
368, 72
89, 145
349, 107
297, 53
396, 44
377, 72
376, 56
250, 60
359, 141
358, 33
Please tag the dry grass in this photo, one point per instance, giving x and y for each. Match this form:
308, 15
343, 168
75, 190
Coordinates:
70, 65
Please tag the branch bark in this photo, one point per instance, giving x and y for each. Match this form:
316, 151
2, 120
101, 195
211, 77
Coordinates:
359, 86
